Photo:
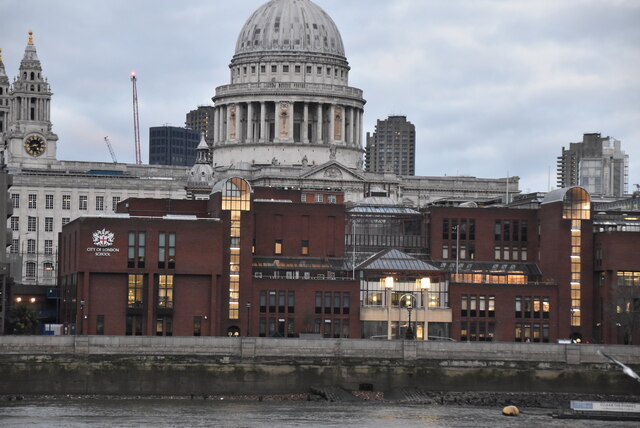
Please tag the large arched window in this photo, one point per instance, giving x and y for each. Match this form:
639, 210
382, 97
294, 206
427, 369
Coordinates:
48, 269
576, 204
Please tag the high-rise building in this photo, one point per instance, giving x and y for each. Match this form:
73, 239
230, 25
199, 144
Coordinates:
201, 119
392, 147
171, 145
597, 164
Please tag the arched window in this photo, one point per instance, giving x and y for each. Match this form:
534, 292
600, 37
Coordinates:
48, 269
33, 75
30, 270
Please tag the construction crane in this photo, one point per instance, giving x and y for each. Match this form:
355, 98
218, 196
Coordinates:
136, 121
113, 155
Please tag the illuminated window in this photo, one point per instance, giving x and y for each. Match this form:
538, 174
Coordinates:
135, 291
66, 202
48, 246
165, 291
304, 247
48, 270
278, 247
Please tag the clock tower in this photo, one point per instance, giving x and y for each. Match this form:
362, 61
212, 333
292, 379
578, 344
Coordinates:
29, 139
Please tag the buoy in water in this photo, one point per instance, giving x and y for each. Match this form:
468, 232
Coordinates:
511, 411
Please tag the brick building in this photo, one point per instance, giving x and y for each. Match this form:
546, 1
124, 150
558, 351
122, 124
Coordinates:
260, 262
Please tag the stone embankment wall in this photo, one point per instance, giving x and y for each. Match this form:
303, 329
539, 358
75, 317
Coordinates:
216, 365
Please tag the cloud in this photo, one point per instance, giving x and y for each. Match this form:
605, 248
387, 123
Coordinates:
490, 85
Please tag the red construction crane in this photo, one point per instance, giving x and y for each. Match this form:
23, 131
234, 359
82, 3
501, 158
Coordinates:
136, 121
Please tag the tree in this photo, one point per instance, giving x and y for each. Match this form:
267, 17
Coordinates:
627, 313
24, 319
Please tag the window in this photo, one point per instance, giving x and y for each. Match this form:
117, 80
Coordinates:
303, 197
48, 224
135, 291
167, 250
15, 246
492, 306
48, 246
319, 197
15, 223
136, 250
48, 202
304, 247
346, 303
134, 325
32, 224
83, 202
318, 302
30, 270
332, 199
33, 201
99, 203
48, 270
15, 200
518, 307
65, 220
164, 326
285, 68
308, 69
291, 302
263, 301
66, 202
31, 246
165, 291
272, 302
498, 231
197, 326
274, 68
99, 324
114, 202
278, 247
327, 303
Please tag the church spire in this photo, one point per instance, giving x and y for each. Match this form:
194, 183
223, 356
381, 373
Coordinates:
30, 59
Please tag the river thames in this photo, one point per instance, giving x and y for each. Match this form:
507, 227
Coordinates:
243, 414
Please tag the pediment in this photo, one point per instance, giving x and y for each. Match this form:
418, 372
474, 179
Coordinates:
332, 170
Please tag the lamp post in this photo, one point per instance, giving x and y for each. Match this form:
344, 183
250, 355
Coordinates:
388, 285
425, 284
409, 306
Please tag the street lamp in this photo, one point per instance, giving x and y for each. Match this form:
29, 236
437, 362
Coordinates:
388, 285
409, 306
425, 284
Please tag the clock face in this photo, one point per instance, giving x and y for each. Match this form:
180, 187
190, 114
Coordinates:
35, 145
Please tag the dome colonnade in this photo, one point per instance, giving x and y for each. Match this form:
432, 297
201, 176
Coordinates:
288, 101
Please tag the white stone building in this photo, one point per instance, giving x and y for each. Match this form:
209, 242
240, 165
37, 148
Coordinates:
48, 193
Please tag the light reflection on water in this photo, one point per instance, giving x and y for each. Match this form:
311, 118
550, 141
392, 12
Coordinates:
240, 414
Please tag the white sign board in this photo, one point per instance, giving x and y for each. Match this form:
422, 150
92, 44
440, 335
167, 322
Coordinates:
605, 406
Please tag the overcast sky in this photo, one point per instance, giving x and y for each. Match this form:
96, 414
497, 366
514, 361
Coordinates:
492, 86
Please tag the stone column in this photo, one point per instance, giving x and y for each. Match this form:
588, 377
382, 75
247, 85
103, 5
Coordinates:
351, 140
358, 132
229, 132
263, 122
239, 122
319, 139
304, 135
343, 126
216, 124
292, 115
250, 122
332, 116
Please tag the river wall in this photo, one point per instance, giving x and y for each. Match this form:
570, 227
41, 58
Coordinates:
121, 365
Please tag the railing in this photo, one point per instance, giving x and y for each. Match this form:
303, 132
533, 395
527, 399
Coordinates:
294, 87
